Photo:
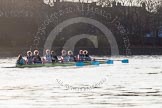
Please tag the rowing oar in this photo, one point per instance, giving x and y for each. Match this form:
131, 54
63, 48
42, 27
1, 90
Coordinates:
112, 61
97, 63
81, 63
123, 61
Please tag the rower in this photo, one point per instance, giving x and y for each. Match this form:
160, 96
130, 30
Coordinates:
54, 57
71, 56
20, 60
29, 58
47, 57
64, 56
80, 56
37, 58
86, 56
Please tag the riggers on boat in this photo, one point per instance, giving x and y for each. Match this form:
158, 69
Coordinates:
66, 64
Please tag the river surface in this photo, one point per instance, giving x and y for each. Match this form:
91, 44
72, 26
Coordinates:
134, 85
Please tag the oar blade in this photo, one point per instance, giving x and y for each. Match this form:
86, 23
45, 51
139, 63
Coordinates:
79, 64
97, 63
125, 61
110, 62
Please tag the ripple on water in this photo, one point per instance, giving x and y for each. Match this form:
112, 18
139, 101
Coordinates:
134, 85
153, 73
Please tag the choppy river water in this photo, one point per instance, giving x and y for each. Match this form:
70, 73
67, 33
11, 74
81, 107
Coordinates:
137, 84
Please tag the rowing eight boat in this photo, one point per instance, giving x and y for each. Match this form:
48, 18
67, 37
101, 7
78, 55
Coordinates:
70, 64
54, 64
